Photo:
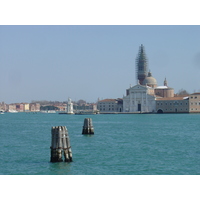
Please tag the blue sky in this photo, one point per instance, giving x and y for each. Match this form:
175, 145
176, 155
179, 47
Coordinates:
91, 62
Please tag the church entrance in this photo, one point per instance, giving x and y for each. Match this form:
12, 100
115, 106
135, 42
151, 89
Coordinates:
139, 107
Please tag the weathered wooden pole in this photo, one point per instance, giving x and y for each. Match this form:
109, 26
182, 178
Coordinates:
67, 147
60, 144
88, 127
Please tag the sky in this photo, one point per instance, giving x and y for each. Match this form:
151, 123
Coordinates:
93, 61
87, 50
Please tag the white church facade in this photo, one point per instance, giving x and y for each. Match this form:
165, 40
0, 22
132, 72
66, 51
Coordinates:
139, 99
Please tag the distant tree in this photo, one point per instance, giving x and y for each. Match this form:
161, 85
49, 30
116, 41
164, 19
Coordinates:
49, 108
183, 92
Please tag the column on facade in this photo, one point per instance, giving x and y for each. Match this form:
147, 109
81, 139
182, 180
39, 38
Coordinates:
135, 100
130, 107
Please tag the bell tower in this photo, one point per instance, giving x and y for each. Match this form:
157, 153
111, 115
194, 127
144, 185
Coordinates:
165, 82
141, 65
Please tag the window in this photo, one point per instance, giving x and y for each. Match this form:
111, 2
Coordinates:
176, 103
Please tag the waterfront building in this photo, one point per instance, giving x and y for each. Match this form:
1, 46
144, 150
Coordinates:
3, 106
110, 105
11, 107
26, 107
172, 105
139, 98
34, 107
20, 107
194, 103
93, 106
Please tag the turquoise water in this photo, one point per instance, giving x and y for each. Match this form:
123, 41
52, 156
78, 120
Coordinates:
123, 144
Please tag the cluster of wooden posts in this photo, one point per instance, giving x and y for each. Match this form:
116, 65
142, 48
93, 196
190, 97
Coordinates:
60, 143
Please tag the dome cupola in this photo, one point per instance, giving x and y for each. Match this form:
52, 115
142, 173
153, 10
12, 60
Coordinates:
150, 81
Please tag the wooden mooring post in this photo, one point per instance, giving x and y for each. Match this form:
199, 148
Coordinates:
60, 144
87, 126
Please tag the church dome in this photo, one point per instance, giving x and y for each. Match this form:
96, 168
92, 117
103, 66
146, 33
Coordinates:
150, 81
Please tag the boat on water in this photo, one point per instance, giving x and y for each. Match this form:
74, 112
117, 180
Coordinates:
1, 112
48, 111
13, 111
86, 113
51, 111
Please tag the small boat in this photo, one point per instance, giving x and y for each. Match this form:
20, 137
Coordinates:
51, 111
1, 112
48, 111
13, 111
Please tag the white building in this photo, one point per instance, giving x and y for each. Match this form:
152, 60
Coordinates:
139, 98
70, 107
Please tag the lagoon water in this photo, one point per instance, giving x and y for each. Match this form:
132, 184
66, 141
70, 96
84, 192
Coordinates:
123, 144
